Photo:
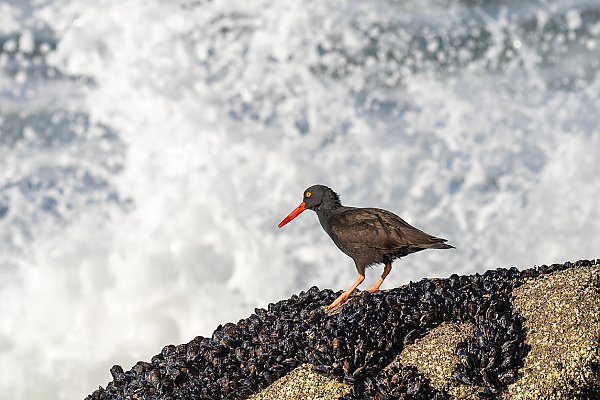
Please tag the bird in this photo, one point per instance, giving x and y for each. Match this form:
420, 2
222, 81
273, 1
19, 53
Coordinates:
369, 236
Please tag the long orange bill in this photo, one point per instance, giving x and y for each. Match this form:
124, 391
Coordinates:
293, 214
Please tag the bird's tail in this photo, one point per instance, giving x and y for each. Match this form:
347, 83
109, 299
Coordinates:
440, 245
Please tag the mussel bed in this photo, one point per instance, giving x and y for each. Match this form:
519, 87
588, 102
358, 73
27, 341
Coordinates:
354, 345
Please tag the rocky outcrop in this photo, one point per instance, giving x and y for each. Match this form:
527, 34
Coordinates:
531, 334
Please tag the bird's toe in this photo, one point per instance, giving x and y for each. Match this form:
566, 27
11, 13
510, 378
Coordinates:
340, 300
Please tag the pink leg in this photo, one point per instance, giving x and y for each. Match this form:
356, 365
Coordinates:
386, 271
344, 296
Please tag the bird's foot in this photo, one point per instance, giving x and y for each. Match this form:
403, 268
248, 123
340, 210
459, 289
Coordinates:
373, 289
340, 300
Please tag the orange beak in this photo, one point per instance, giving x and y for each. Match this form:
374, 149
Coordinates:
293, 214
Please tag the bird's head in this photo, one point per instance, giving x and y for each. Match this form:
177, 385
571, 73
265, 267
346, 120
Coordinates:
315, 198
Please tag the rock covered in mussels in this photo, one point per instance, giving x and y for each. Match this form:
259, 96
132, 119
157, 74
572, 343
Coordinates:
353, 346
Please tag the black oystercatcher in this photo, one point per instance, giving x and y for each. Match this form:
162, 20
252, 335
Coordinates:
368, 235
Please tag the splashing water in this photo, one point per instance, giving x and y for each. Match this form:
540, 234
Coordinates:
148, 150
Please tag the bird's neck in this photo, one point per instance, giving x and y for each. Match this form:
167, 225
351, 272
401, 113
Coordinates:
324, 212
328, 206
330, 201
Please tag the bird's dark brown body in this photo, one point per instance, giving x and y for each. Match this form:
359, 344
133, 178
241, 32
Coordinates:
375, 236
368, 235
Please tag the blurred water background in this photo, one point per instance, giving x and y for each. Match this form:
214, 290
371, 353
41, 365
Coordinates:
148, 150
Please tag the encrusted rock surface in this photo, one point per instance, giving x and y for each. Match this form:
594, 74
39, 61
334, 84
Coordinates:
506, 333
562, 322
434, 354
303, 384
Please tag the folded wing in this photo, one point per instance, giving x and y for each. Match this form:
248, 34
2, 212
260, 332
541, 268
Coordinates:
382, 230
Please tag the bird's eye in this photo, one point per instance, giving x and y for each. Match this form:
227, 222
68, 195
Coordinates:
307, 194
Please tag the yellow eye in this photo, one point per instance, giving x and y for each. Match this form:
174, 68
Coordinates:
307, 194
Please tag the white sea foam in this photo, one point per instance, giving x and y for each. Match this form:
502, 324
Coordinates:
176, 136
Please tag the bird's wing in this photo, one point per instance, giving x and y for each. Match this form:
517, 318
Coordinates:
357, 226
379, 228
